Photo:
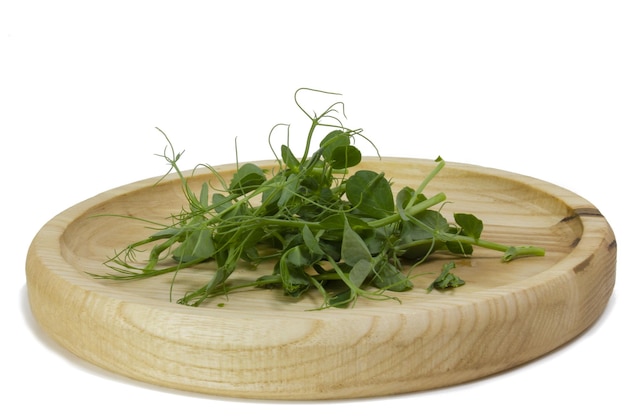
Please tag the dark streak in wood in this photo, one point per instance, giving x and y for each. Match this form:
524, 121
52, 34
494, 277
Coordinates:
581, 266
582, 212
588, 211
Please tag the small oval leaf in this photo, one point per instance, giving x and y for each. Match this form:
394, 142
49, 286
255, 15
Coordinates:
370, 193
345, 157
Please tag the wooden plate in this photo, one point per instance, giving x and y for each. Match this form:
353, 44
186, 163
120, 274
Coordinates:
260, 344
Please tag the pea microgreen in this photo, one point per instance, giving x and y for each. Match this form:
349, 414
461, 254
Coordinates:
323, 224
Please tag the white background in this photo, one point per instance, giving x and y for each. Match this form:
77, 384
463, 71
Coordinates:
534, 87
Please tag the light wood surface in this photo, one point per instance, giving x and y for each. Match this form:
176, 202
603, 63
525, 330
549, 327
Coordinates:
263, 345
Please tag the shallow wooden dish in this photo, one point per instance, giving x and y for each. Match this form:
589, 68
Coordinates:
263, 345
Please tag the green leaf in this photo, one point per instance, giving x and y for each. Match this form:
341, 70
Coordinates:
166, 233
331, 248
446, 279
353, 248
333, 140
197, 246
378, 239
289, 189
342, 299
294, 278
370, 193
470, 225
360, 271
204, 195
311, 241
390, 278
268, 281
301, 256
419, 234
456, 246
247, 178
345, 157
220, 202
289, 158
459, 248
337, 222
425, 225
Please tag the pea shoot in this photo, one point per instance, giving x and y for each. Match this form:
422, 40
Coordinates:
324, 224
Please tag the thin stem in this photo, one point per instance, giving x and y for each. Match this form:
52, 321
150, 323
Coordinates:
510, 252
426, 181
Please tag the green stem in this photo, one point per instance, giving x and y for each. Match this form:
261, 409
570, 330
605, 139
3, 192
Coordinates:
518, 251
308, 141
426, 180
510, 252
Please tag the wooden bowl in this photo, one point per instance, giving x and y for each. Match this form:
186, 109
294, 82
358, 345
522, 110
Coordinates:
260, 344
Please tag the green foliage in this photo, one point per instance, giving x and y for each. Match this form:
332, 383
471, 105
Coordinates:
446, 279
370, 194
324, 229
247, 178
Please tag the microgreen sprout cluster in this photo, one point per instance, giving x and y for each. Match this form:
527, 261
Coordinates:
324, 225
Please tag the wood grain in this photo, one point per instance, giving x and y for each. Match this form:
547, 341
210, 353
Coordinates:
263, 345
